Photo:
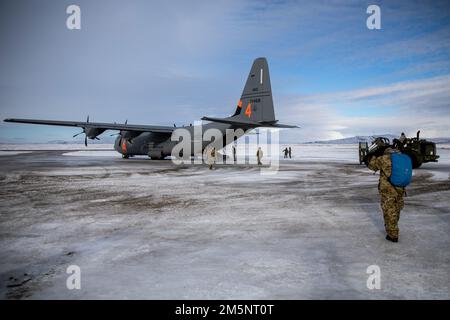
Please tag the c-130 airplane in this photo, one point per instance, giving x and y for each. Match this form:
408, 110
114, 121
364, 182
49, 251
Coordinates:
254, 110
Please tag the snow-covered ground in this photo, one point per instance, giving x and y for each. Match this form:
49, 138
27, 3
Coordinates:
148, 229
343, 153
11, 153
97, 153
325, 152
53, 146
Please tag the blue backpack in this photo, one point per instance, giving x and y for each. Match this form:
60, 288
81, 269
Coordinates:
401, 170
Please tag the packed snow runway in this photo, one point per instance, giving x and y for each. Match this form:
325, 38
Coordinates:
147, 229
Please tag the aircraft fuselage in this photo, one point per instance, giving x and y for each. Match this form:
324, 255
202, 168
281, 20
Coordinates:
157, 145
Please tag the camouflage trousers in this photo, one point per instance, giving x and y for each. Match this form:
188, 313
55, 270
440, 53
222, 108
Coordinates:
391, 204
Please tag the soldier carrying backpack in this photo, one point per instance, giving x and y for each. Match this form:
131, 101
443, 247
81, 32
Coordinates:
395, 174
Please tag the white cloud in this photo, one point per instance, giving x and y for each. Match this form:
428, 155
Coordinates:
422, 104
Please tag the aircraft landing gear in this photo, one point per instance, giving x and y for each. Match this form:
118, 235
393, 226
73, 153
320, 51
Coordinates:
124, 156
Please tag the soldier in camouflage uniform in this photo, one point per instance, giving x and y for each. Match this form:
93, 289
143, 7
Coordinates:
211, 157
391, 197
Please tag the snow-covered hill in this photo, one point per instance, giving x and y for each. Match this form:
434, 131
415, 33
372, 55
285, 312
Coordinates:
368, 139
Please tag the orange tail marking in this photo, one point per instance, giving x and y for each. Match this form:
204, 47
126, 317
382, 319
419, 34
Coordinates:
240, 104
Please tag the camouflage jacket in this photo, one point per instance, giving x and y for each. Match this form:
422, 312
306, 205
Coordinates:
384, 165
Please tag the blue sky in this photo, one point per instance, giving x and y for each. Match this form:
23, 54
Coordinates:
164, 62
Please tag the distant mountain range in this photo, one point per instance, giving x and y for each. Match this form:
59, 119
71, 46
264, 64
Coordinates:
368, 139
103, 140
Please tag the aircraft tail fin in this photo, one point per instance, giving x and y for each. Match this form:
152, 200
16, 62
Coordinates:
255, 108
256, 103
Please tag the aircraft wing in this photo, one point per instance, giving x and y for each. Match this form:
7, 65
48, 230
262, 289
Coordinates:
233, 122
249, 123
97, 125
279, 125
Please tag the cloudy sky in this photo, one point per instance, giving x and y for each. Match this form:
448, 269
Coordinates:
164, 62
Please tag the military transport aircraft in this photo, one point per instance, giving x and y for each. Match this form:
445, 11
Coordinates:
254, 110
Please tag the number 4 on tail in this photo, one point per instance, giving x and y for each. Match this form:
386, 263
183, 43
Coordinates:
248, 110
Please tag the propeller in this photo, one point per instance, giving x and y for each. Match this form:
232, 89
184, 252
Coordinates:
78, 133
84, 131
